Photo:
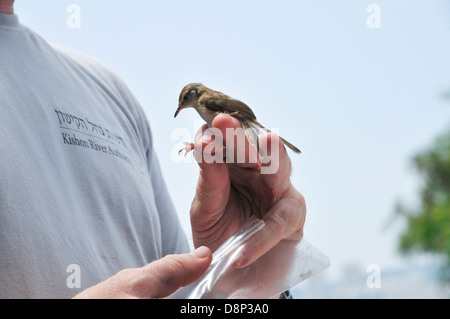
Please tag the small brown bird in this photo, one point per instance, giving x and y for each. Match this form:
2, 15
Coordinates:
209, 103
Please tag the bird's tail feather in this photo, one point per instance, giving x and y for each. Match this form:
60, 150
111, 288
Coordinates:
291, 146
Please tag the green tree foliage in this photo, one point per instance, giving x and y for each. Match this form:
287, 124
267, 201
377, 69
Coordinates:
428, 227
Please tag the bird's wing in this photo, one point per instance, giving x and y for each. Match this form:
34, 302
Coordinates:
230, 106
252, 128
251, 133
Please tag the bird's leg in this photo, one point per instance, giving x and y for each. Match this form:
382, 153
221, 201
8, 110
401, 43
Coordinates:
189, 147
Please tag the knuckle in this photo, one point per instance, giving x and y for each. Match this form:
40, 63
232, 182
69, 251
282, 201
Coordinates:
302, 202
124, 274
300, 209
290, 216
173, 264
281, 218
172, 276
156, 280
285, 215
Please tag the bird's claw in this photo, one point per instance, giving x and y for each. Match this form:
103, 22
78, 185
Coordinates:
188, 148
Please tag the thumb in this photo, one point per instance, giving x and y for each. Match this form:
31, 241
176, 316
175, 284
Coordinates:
163, 277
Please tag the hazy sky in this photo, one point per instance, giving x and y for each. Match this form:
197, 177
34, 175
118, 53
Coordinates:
358, 101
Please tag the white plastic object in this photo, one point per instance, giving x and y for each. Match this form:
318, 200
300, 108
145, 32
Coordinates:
281, 268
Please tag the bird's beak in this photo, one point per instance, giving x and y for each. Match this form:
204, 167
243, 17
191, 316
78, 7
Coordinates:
180, 107
178, 110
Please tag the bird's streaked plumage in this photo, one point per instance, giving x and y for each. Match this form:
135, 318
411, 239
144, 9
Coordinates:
208, 103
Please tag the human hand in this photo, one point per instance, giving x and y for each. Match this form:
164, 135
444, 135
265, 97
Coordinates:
229, 193
158, 279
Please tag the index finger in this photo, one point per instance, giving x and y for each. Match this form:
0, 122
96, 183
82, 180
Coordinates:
239, 150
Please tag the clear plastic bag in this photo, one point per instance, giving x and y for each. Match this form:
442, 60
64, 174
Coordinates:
281, 268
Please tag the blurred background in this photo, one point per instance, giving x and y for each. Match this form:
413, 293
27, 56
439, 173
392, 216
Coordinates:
361, 87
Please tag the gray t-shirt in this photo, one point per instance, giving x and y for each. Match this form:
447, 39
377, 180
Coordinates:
81, 192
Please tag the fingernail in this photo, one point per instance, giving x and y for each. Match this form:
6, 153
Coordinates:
206, 138
200, 252
239, 262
